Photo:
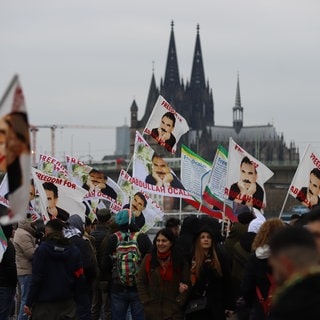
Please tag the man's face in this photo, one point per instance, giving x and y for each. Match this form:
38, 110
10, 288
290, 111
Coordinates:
137, 205
51, 200
160, 167
166, 125
32, 192
314, 185
96, 178
248, 173
314, 228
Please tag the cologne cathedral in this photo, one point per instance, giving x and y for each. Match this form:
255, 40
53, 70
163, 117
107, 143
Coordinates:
193, 99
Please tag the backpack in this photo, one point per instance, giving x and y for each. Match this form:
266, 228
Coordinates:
127, 258
266, 302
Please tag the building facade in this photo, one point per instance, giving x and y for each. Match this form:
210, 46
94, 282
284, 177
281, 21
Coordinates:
194, 101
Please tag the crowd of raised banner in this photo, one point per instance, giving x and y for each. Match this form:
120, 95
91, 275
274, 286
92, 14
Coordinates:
77, 245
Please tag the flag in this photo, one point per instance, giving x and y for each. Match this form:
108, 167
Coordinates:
166, 125
152, 212
195, 174
15, 159
152, 173
100, 188
305, 185
245, 178
58, 198
52, 167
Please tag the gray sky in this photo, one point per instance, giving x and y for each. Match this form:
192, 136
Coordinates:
82, 62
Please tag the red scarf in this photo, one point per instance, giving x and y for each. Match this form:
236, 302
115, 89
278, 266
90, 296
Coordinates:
166, 266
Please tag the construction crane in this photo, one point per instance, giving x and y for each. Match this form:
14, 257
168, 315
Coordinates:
35, 128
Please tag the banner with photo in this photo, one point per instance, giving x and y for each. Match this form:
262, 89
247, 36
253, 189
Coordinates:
52, 167
195, 173
152, 173
305, 185
142, 205
101, 190
32, 210
58, 198
15, 153
166, 125
245, 178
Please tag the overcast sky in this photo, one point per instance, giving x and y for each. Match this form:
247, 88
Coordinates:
83, 62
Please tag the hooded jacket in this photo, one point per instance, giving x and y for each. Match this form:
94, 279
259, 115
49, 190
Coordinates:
24, 241
57, 271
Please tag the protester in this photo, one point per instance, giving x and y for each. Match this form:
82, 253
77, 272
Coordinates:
8, 276
24, 241
163, 279
174, 225
101, 301
258, 272
295, 262
125, 295
210, 278
74, 231
185, 240
312, 221
57, 276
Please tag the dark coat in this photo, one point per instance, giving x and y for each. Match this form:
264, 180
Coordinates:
8, 269
218, 291
57, 272
300, 300
161, 299
256, 275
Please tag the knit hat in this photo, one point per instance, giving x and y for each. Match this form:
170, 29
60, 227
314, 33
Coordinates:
122, 217
76, 222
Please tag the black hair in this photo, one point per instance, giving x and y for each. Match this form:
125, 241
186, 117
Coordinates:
172, 223
316, 172
103, 215
141, 196
170, 116
51, 187
291, 237
56, 225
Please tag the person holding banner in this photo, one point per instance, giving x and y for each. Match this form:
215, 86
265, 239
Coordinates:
309, 196
163, 134
247, 191
161, 174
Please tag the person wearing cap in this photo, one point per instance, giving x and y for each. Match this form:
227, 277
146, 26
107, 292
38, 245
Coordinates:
74, 230
210, 277
123, 297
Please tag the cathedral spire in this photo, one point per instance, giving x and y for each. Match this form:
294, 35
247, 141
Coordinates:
197, 73
172, 78
237, 109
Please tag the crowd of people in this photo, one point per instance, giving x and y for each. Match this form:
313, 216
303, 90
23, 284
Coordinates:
197, 268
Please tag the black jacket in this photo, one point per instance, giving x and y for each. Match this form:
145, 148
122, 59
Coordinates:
8, 269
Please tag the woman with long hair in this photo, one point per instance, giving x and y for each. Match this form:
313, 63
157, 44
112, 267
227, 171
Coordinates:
210, 279
163, 279
257, 279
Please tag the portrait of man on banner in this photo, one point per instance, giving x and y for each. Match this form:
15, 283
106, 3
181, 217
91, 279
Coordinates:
245, 178
165, 125
305, 185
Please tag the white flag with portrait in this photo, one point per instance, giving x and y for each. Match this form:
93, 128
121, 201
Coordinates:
166, 125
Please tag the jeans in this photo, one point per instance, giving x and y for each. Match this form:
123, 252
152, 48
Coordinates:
120, 302
24, 283
6, 300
